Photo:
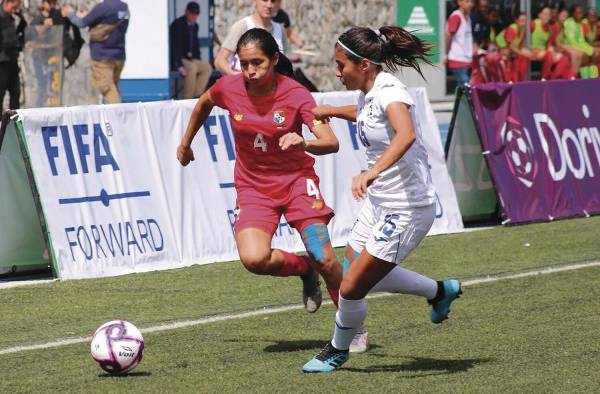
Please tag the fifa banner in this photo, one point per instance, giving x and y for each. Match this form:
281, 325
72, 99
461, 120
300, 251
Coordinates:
542, 145
114, 200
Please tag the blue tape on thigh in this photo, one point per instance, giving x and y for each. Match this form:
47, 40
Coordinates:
315, 238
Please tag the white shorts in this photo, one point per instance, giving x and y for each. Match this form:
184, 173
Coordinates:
390, 234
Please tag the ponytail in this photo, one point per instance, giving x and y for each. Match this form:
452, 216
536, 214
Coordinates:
391, 46
403, 49
284, 66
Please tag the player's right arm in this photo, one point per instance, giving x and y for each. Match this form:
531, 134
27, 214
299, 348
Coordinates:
202, 109
222, 61
347, 112
228, 46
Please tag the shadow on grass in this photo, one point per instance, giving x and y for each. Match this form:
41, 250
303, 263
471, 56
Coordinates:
126, 375
422, 364
295, 346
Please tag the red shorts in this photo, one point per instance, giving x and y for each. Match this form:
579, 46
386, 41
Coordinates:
302, 205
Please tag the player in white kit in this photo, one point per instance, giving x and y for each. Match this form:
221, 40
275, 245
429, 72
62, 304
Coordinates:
399, 206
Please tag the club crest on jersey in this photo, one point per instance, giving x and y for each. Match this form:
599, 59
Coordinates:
238, 117
278, 118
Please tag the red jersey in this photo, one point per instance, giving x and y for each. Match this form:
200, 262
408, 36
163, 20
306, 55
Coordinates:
555, 30
258, 123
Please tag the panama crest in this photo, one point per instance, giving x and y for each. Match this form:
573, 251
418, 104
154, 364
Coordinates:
279, 118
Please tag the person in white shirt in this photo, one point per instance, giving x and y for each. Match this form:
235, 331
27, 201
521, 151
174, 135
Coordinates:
226, 60
399, 206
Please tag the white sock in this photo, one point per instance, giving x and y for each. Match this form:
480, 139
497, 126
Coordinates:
401, 280
349, 318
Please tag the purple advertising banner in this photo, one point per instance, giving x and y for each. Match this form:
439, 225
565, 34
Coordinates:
542, 145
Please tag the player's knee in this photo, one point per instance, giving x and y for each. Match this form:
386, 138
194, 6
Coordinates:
327, 264
257, 264
351, 290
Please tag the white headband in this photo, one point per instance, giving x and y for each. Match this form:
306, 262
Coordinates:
356, 54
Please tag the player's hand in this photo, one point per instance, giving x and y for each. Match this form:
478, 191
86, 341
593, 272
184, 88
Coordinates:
185, 154
67, 10
48, 22
182, 71
292, 139
322, 112
361, 182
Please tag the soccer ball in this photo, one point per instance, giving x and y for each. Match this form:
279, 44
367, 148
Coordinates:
117, 346
519, 152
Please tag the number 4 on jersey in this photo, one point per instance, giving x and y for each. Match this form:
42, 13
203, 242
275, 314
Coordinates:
260, 143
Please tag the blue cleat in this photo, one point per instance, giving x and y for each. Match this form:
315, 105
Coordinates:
328, 360
440, 309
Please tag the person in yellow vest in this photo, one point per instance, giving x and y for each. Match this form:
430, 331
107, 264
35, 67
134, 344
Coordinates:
555, 65
514, 54
591, 33
583, 55
589, 26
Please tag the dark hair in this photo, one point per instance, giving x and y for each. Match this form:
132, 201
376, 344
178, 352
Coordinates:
574, 7
267, 44
393, 46
542, 8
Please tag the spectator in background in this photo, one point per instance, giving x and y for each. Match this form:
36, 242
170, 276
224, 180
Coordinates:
487, 65
583, 55
589, 26
515, 56
480, 24
185, 52
459, 42
554, 64
280, 16
108, 22
44, 48
261, 18
11, 43
50, 15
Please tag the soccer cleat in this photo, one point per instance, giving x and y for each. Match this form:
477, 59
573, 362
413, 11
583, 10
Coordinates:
311, 290
440, 309
360, 342
327, 360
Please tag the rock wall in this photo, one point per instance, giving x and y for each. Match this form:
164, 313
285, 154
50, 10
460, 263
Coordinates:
318, 23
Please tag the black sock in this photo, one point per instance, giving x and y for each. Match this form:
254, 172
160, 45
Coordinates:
440, 294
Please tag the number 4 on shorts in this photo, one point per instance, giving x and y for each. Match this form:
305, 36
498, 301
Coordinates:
312, 189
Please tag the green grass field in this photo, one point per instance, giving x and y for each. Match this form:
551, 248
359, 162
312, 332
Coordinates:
532, 334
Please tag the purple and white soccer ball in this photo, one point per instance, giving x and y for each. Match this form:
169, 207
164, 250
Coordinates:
117, 346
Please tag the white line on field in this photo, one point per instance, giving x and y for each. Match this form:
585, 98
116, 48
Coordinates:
19, 283
286, 308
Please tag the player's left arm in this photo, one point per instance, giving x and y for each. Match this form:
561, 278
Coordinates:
404, 136
326, 141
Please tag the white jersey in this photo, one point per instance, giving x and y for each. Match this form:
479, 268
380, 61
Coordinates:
407, 183
277, 31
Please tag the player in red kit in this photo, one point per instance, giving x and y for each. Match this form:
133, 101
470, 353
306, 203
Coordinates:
274, 175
